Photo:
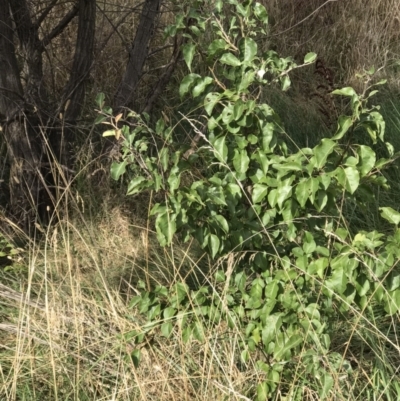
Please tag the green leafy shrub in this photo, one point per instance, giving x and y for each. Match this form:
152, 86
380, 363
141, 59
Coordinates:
240, 191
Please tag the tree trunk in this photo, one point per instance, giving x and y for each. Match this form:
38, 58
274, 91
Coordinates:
74, 92
26, 185
35, 92
11, 98
25, 109
137, 54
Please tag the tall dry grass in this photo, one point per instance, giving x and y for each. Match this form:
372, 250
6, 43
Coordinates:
349, 35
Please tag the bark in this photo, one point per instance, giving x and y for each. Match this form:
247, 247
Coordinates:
137, 54
26, 185
35, 93
11, 93
74, 92
25, 111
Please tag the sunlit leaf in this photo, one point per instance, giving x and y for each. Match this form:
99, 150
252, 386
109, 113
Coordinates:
118, 169
310, 58
188, 51
391, 215
230, 59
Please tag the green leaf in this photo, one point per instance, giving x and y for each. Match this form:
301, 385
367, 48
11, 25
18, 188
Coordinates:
164, 158
169, 312
218, 5
210, 101
294, 341
216, 46
259, 192
198, 331
367, 159
284, 192
220, 276
256, 290
344, 124
240, 281
288, 166
166, 329
338, 281
230, 59
273, 197
306, 189
309, 245
302, 192
271, 327
201, 86
327, 383
186, 334
187, 83
248, 48
238, 109
285, 82
188, 51
348, 91
310, 58
321, 200
241, 162
174, 181
322, 151
261, 13
244, 356
247, 80
392, 302
135, 186
166, 228
227, 114
100, 100
214, 244
318, 266
118, 169
262, 391
391, 215
223, 224
136, 356
348, 178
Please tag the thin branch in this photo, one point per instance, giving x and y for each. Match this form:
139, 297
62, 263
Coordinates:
159, 50
61, 26
44, 14
304, 19
115, 27
164, 79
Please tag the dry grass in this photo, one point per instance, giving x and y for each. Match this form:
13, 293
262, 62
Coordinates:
66, 329
349, 35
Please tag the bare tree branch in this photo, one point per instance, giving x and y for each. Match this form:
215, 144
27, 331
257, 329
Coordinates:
45, 13
61, 25
165, 77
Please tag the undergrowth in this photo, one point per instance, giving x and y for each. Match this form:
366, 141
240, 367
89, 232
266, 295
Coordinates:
271, 281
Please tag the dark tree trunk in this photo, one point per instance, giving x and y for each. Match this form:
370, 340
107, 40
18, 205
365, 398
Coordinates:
25, 110
35, 92
26, 185
137, 54
11, 98
74, 92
